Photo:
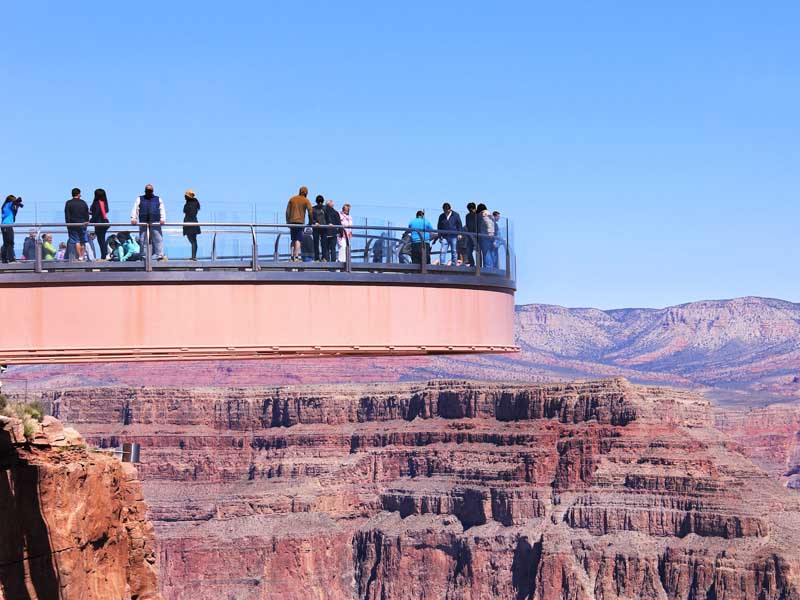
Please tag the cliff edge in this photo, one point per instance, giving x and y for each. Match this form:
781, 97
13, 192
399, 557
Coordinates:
72, 521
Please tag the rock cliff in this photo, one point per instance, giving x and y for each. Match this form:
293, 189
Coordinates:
451, 490
72, 522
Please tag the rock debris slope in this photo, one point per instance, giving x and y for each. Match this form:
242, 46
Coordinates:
449, 489
72, 522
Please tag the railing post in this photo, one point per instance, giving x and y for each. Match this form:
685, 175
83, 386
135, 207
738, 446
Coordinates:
508, 254
148, 255
255, 248
423, 253
214, 247
348, 260
37, 267
478, 254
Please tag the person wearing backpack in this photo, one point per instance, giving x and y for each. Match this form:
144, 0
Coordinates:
318, 217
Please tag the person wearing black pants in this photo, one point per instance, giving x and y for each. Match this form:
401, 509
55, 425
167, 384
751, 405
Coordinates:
8, 245
99, 214
190, 210
471, 240
318, 217
334, 229
8, 215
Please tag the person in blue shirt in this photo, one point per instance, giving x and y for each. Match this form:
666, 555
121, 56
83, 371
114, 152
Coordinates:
419, 228
128, 249
8, 215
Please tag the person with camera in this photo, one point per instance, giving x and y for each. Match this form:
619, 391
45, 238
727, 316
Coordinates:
76, 215
8, 215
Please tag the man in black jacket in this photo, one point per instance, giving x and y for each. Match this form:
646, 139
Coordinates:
334, 228
320, 239
77, 211
472, 228
449, 221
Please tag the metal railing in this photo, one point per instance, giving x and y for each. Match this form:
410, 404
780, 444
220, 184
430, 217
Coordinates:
366, 248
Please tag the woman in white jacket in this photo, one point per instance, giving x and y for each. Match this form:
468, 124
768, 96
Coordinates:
347, 232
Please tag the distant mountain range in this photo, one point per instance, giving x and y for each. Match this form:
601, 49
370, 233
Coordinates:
745, 349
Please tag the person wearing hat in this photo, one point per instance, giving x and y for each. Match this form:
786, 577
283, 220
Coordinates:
190, 210
8, 215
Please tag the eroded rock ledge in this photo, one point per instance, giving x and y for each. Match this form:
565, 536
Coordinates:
72, 521
449, 489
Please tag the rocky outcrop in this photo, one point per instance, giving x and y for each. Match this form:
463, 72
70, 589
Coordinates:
449, 489
72, 521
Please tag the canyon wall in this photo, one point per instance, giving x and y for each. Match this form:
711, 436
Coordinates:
72, 522
448, 489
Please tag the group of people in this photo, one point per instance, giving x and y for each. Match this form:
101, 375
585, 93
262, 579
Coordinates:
327, 242
459, 241
322, 233
148, 213
319, 232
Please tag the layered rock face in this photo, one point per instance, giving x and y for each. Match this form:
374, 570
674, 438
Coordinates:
72, 522
449, 490
769, 435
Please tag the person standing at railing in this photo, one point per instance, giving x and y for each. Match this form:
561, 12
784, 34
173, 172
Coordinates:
149, 209
346, 233
8, 215
296, 210
486, 240
91, 252
472, 228
190, 210
333, 230
62, 251
420, 238
29, 246
48, 250
499, 240
449, 220
99, 212
318, 218
76, 215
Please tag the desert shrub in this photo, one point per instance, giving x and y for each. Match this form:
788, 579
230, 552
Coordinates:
28, 428
32, 410
3, 403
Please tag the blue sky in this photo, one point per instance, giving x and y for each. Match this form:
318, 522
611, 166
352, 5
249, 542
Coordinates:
647, 152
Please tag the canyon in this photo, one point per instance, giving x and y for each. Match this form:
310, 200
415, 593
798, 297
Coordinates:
72, 521
456, 489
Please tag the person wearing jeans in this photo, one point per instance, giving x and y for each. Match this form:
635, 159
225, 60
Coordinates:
449, 220
486, 226
149, 209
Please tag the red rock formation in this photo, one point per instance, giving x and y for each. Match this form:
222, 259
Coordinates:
449, 490
72, 522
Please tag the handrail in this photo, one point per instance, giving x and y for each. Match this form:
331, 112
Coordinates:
388, 235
